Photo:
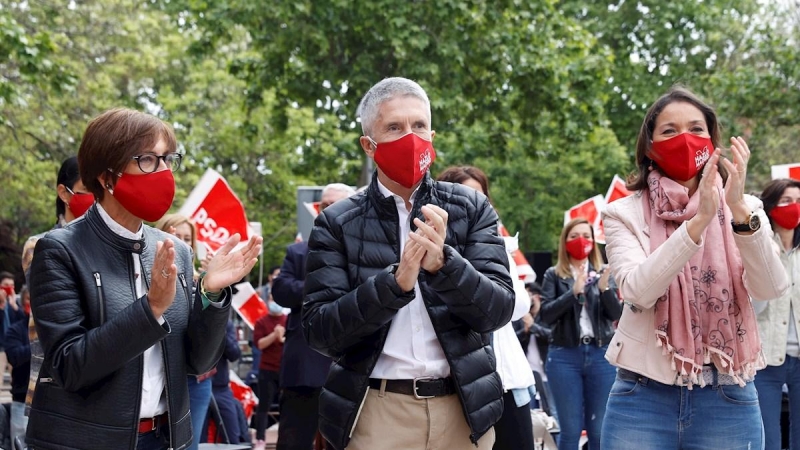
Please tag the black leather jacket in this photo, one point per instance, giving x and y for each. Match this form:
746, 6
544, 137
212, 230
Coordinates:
351, 297
94, 331
561, 310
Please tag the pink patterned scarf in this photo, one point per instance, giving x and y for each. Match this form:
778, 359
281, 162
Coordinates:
705, 315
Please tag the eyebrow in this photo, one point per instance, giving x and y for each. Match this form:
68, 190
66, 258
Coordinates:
693, 122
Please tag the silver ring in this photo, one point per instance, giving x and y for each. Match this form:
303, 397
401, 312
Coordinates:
164, 273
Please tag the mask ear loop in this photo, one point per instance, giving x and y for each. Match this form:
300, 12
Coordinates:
372, 141
108, 185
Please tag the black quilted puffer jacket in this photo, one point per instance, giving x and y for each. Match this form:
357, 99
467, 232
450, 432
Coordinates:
351, 297
94, 331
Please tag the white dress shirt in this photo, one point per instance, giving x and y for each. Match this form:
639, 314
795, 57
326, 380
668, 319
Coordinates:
422, 355
153, 377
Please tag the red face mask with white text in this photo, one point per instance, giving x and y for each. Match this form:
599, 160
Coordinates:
579, 248
405, 160
683, 156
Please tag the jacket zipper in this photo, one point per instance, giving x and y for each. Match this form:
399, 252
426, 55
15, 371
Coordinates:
358, 413
185, 285
166, 389
101, 298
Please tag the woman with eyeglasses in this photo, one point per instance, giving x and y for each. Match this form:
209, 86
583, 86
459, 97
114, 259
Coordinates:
112, 301
778, 321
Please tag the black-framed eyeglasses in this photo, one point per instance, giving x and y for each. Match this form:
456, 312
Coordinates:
149, 162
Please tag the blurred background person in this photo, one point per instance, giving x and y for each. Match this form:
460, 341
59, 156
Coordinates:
18, 350
10, 312
303, 370
111, 300
514, 430
778, 321
689, 256
580, 304
199, 385
269, 335
230, 410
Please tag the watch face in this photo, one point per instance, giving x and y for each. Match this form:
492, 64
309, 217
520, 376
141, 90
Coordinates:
755, 222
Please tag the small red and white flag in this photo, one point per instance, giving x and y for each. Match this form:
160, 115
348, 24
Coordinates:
524, 269
590, 210
247, 303
786, 171
312, 208
216, 211
616, 190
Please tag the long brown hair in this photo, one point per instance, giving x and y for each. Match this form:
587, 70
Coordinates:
637, 180
562, 266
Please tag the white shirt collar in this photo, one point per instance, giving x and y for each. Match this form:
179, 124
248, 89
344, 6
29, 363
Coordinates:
397, 199
117, 228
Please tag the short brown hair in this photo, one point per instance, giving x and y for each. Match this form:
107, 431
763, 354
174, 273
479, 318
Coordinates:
637, 180
460, 174
562, 266
113, 138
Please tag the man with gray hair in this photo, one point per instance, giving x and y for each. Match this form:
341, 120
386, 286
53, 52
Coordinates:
302, 370
404, 283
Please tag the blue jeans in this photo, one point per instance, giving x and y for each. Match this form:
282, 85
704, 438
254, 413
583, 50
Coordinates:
199, 399
645, 414
580, 379
769, 384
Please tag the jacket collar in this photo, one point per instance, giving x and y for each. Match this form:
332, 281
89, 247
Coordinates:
95, 221
386, 205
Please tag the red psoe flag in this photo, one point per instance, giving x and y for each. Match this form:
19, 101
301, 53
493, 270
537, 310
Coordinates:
247, 303
216, 211
524, 269
786, 171
617, 190
590, 210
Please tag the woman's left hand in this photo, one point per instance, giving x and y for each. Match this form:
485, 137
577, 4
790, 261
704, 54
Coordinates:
737, 174
227, 267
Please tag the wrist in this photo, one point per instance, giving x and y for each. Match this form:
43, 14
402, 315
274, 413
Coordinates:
740, 213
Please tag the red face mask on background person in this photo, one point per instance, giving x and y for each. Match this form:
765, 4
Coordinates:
579, 248
405, 160
147, 196
786, 216
683, 156
9, 290
79, 203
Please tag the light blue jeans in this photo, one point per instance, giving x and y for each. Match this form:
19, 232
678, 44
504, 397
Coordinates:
769, 384
199, 399
645, 414
19, 422
580, 379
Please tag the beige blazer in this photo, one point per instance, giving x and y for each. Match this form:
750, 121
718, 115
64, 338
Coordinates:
643, 276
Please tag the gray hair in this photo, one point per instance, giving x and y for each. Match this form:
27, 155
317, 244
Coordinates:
341, 187
384, 90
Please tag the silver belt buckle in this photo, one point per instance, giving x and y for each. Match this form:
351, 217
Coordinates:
586, 340
414, 387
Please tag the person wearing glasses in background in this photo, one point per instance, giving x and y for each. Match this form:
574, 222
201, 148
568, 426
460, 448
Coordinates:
777, 319
111, 301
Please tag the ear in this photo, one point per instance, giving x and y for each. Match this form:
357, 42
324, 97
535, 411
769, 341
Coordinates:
433, 135
367, 146
61, 190
105, 179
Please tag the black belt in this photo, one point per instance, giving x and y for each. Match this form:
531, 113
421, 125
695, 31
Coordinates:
422, 387
586, 340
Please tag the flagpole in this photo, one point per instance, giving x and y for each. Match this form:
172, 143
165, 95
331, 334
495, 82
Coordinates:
261, 269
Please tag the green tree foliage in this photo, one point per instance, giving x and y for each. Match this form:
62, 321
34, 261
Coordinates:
545, 96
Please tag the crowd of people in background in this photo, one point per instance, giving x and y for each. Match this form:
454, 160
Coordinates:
402, 322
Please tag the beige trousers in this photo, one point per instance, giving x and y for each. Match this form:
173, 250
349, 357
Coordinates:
396, 421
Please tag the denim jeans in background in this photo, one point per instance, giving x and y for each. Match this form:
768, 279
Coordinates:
769, 384
645, 414
580, 379
199, 399
19, 422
